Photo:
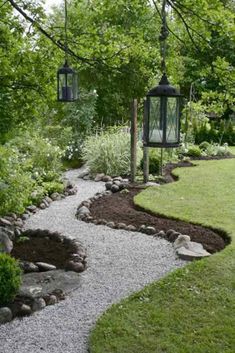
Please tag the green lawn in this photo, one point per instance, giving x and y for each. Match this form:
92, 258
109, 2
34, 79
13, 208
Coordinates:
192, 310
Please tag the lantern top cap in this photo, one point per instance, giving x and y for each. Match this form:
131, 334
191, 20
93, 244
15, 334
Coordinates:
65, 69
164, 89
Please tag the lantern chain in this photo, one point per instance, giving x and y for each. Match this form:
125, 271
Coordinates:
163, 36
65, 30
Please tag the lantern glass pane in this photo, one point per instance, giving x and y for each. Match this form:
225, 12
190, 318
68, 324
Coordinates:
172, 126
62, 83
155, 126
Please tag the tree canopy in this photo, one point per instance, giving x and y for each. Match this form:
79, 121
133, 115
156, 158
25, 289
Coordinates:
115, 48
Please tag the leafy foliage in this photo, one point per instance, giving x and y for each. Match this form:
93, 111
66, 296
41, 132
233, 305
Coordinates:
28, 163
10, 278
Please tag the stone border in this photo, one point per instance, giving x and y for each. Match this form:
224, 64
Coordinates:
76, 261
30, 300
184, 247
12, 226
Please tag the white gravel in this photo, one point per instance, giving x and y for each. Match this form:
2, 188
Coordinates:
119, 263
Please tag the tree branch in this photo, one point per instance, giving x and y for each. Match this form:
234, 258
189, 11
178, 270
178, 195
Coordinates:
49, 36
187, 26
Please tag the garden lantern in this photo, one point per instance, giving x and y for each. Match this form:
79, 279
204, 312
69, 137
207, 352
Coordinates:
162, 116
67, 89
67, 83
163, 103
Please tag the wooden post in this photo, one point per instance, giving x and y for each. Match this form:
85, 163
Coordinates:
133, 139
146, 164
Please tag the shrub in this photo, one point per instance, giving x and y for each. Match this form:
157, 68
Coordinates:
16, 185
109, 152
53, 186
204, 145
10, 278
194, 151
28, 163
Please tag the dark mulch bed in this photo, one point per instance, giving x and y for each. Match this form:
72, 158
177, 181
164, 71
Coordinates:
119, 207
42, 250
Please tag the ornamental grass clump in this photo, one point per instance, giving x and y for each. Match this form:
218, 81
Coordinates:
10, 278
109, 152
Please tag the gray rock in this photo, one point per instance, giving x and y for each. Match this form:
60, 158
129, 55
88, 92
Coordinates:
18, 232
99, 177
6, 244
13, 215
75, 266
52, 300
10, 219
118, 178
19, 223
9, 232
121, 225
107, 178
83, 211
5, 315
72, 191
84, 173
87, 177
102, 221
115, 188
161, 234
4, 222
86, 203
44, 201
28, 267
182, 240
48, 199
32, 208
38, 304
173, 236
169, 232
117, 182
131, 228
110, 224
55, 196
108, 185
150, 230
25, 216
192, 251
42, 206
142, 228
43, 266
24, 310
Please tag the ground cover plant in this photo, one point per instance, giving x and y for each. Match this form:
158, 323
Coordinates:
192, 309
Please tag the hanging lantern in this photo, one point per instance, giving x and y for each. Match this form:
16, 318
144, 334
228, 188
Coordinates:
162, 116
67, 84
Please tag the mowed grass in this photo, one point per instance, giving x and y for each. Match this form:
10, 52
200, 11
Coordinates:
192, 310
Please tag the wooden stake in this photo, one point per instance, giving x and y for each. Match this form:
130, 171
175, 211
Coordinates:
133, 139
146, 164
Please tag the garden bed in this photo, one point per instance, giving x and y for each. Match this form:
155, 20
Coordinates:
119, 208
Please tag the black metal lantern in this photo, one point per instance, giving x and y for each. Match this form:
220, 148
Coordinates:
162, 116
67, 84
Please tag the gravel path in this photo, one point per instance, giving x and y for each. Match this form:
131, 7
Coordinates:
119, 263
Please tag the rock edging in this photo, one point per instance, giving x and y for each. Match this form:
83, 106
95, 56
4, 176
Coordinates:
187, 250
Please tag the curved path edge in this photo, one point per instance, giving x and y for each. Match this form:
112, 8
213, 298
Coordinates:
119, 263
